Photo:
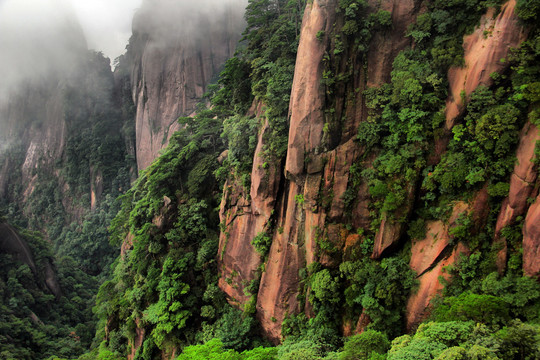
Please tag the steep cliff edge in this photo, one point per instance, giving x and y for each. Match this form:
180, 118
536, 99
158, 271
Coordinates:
68, 140
13, 243
312, 170
324, 208
177, 50
354, 200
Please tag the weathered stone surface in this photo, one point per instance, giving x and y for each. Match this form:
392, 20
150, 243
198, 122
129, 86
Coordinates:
429, 256
243, 220
280, 282
391, 228
484, 49
137, 341
317, 170
307, 98
362, 323
389, 232
337, 173
521, 188
386, 45
418, 306
127, 244
531, 240
173, 64
525, 168
42, 144
426, 251
319, 174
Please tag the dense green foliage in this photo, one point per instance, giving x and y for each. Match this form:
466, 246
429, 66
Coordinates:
34, 324
272, 35
451, 340
97, 112
163, 289
161, 285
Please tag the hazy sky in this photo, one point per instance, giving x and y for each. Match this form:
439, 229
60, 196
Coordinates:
106, 23
39, 38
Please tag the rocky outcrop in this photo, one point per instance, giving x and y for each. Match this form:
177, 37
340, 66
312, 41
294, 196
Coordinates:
35, 128
418, 306
45, 120
531, 240
522, 187
429, 256
176, 50
485, 52
243, 217
11, 242
312, 205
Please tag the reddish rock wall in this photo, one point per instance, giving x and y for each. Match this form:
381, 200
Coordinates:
522, 187
418, 307
173, 63
484, 50
243, 217
310, 204
531, 240
313, 205
429, 256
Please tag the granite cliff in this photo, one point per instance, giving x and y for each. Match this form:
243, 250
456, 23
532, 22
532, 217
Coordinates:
176, 51
306, 200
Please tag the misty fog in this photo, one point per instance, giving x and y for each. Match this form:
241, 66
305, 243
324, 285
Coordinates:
42, 40
40, 37
173, 22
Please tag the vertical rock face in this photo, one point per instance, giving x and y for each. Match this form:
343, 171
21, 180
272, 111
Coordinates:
309, 204
315, 174
61, 120
36, 59
32, 123
522, 188
485, 52
38, 143
177, 49
242, 221
429, 256
531, 240
430, 285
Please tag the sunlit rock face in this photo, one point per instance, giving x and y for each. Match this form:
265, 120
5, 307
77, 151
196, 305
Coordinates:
177, 49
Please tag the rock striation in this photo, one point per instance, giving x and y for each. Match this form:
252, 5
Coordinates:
307, 204
176, 50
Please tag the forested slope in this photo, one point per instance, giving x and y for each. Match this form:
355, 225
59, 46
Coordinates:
360, 182
367, 153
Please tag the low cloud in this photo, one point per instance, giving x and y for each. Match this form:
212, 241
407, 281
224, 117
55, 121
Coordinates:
37, 38
173, 22
106, 23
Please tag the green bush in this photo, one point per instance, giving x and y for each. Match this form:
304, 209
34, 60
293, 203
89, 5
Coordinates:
362, 346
